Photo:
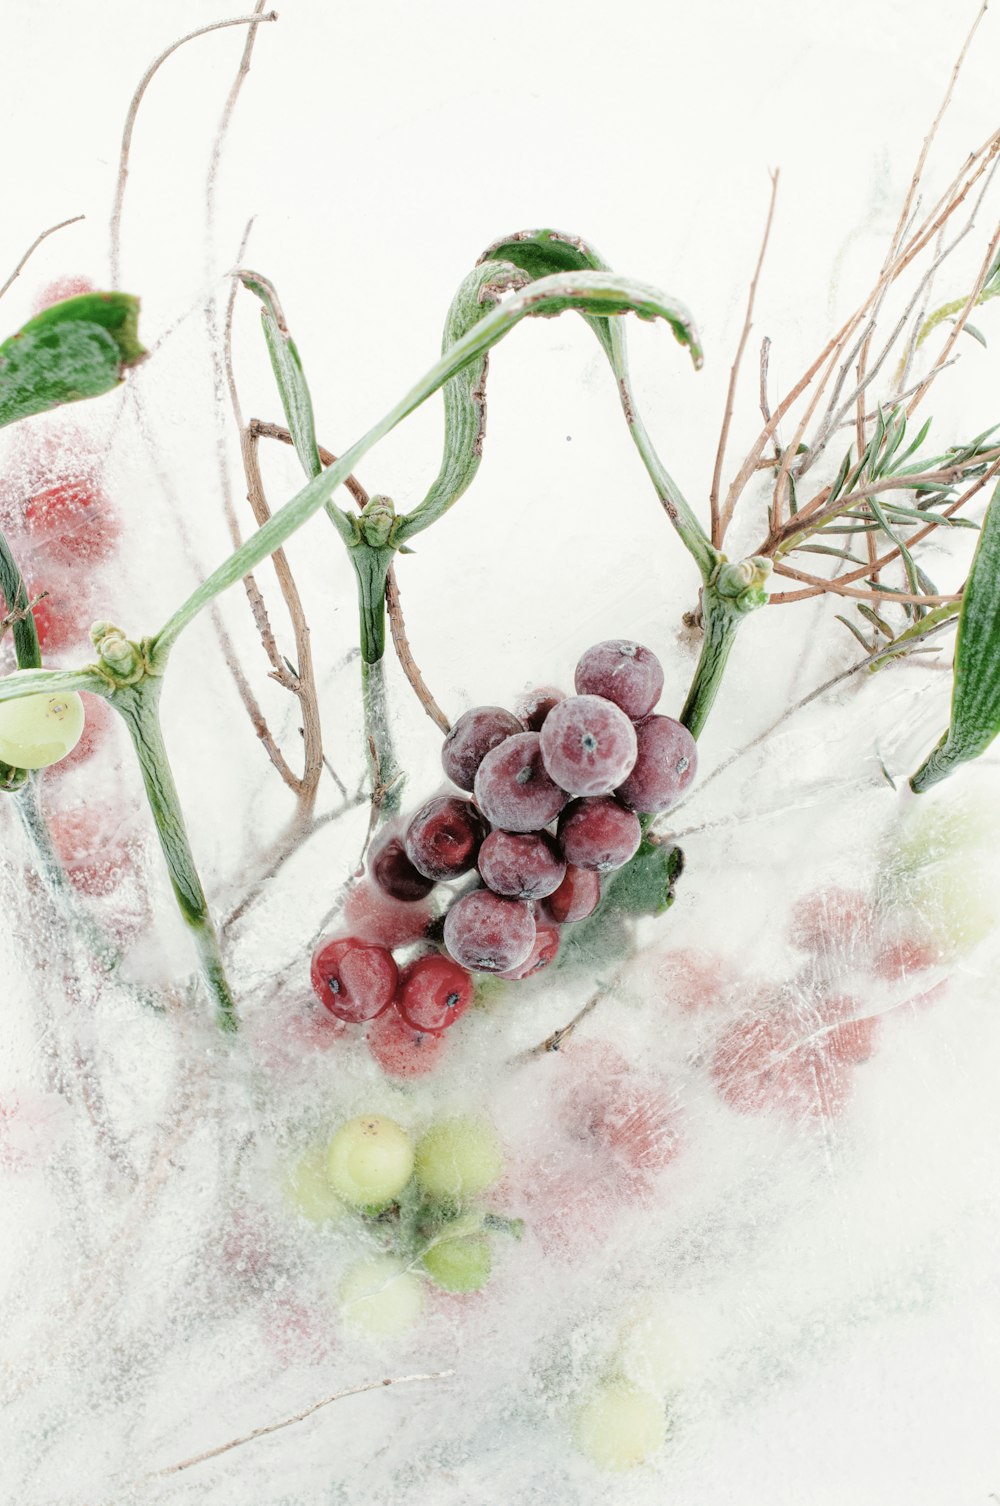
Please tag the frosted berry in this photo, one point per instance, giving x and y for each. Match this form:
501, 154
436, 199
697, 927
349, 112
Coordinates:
94, 846
665, 765
513, 789
588, 745
547, 938
433, 993
472, 737
444, 838
578, 896
599, 834
489, 934
74, 521
623, 672
392, 870
400, 1050
373, 915
369, 1161
354, 979
534, 706
521, 865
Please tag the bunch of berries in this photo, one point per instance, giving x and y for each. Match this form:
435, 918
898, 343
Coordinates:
551, 799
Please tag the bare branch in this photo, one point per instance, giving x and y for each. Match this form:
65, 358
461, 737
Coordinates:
276, 431
286, 1422
34, 247
409, 665
713, 496
837, 588
554, 1041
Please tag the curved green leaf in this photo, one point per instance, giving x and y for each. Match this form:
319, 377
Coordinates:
541, 253
50, 682
292, 386
975, 701
77, 349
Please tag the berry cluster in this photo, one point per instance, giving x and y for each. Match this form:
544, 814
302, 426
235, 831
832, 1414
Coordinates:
551, 801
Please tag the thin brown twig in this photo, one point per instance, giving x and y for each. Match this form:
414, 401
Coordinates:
133, 110
960, 322
720, 454
286, 1422
34, 247
837, 588
277, 431
404, 654
554, 1041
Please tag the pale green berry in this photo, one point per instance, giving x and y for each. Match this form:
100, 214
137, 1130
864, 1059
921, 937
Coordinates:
458, 1158
619, 1426
381, 1296
308, 1189
39, 730
940, 864
369, 1161
460, 1265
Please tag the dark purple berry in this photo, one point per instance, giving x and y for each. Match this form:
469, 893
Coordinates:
444, 838
471, 738
623, 672
599, 834
534, 706
521, 865
664, 767
578, 896
547, 938
512, 788
392, 870
489, 934
588, 745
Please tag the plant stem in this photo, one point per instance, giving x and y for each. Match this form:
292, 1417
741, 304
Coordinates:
386, 775
733, 592
15, 594
139, 707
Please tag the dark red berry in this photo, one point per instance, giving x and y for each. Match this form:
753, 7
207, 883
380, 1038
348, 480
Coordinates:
547, 938
392, 870
374, 915
355, 980
588, 745
489, 934
599, 834
444, 838
513, 789
472, 737
534, 706
623, 672
402, 1051
433, 993
521, 865
578, 896
665, 765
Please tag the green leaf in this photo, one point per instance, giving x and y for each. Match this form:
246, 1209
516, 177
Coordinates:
464, 395
932, 622
975, 702
77, 349
288, 373
645, 886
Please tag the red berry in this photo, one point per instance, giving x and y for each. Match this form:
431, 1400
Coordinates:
521, 865
599, 833
74, 521
472, 737
354, 979
402, 1051
588, 745
444, 837
578, 896
489, 934
547, 939
853, 1041
96, 730
94, 845
898, 958
762, 1063
374, 915
61, 289
433, 993
832, 919
665, 765
513, 789
62, 613
392, 870
623, 672
534, 706
690, 980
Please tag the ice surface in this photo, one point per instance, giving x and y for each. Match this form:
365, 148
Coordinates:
758, 1182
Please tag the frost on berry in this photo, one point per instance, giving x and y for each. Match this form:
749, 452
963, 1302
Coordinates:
534, 706
599, 833
513, 789
354, 979
400, 1049
474, 735
433, 993
444, 837
547, 939
588, 745
578, 896
665, 765
521, 865
623, 672
489, 934
373, 915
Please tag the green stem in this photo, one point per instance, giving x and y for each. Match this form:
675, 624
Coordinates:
139, 708
386, 775
734, 591
15, 593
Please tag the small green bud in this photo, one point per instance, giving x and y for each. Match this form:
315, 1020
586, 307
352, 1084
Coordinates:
118, 655
377, 521
742, 582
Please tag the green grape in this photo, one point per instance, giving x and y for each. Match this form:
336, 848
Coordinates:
458, 1158
308, 1189
39, 730
620, 1425
460, 1265
381, 1296
369, 1161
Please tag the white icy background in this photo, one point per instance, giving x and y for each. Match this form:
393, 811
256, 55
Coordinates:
834, 1284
